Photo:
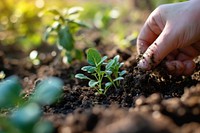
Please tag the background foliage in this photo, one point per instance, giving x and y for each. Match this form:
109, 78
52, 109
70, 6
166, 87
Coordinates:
21, 22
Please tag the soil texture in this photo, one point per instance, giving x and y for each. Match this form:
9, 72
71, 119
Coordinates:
145, 102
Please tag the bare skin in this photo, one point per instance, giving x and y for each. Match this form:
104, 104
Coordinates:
172, 31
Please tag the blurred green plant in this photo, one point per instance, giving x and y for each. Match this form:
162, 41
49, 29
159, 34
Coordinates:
104, 18
20, 23
102, 71
22, 116
66, 24
101, 15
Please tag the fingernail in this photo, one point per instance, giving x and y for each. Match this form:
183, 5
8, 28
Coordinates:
143, 64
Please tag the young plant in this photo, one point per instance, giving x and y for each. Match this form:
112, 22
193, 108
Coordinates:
65, 26
113, 72
25, 116
102, 71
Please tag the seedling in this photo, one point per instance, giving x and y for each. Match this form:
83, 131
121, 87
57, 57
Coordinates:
65, 26
102, 71
113, 69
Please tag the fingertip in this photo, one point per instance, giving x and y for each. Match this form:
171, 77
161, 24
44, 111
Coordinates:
178, 68
143, 64
189, 67
175, 67
170, 67
150, 58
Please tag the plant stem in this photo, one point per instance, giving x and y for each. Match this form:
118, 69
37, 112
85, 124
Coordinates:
112, 82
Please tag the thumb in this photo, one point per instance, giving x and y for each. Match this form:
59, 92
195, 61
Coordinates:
158, 50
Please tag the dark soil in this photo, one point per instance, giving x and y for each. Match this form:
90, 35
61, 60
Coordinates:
145, 102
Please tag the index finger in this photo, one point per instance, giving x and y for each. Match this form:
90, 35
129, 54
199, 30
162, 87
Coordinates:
150, 31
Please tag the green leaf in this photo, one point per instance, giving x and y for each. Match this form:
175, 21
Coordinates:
26, 117
93, 56
121, 64
54, 11
116, 58
118, 78
44, 127
75, 10
92, 83
81, 76
89, 69
56, 25
65, 38
47, 33
10, 89
108, 84
108, 72
59, 18
122, 73
102, 60
101, 91
69, 57
78, 54
110, 64
47, 91
79, 23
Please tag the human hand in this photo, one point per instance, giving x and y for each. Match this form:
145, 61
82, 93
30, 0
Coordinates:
172, 31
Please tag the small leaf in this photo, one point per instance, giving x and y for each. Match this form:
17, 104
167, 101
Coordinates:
110, 64
69, 57
10, 89
47, 33
101, 91
54, 11
116, 58
79, 23
108, 84
93, 56
58, 18
89, 69
122, 73
56, 25
75, 10
108, 72
25, 117
78, 54
121, 64
81, 76
47, 91
102, 60
65, 38
118, 78
92, 83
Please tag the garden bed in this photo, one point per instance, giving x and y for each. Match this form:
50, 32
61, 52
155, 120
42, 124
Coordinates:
152, 101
